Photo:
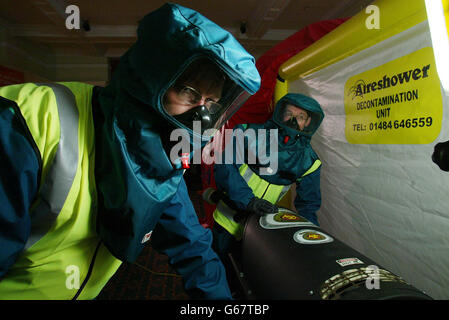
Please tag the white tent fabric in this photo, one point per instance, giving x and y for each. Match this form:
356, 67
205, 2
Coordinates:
384, 196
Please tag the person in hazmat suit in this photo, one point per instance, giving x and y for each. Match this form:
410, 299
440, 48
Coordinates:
248, 186
87, 176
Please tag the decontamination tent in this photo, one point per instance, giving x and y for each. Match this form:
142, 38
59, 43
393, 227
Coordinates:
386, 107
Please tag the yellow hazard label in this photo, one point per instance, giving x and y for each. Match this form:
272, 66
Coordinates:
313, 236
288, 217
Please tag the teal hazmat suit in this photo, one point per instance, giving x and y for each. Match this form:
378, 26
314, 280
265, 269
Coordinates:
293, 162
126, 189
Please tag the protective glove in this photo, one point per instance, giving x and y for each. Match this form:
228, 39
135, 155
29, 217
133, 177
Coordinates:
261, 207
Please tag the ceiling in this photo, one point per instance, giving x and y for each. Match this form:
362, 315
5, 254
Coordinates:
113, 22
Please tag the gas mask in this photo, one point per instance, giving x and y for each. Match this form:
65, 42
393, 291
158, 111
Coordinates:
200, 113
203, 93
292, 123
295, 119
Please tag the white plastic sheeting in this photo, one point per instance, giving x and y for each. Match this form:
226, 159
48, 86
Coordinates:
389, 201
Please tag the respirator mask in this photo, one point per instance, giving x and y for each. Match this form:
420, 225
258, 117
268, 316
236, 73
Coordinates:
203, 94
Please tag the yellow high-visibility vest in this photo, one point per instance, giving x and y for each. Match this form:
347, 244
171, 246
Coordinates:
63, 258
261, 188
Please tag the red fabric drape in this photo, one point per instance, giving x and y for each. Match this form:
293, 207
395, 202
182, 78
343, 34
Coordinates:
258, 108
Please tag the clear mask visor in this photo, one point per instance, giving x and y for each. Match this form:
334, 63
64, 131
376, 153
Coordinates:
203, 93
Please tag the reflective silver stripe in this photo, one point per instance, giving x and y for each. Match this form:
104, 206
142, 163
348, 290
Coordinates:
248, 174
284, 191
60, 176
225, 210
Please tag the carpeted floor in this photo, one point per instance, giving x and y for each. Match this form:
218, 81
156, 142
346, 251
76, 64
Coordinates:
151, 277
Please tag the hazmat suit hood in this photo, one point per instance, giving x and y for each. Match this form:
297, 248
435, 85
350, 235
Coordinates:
171, 38
309, 104
294, 152
135, 175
